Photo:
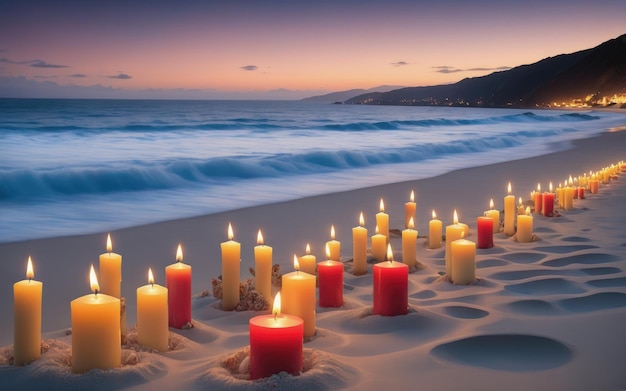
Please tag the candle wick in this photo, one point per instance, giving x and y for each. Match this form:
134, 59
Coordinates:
152, 284
95, 292
275, 315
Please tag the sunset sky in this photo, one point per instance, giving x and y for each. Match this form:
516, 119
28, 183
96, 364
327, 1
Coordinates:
281, 49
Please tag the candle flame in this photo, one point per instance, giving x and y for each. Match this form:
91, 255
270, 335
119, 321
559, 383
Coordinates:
528, 211
491, 204
308, 249
509, 188
327, 251
538, 187
411, 223
276, 307
376, 229
93, 280
109, 245
230, 232
382, 205
150, 276
389, 253
361, 220
259, 238
412, 197
550, 187
455, 220
332, 232
570, 181
179, 253
296, 264
520, 202
30, 274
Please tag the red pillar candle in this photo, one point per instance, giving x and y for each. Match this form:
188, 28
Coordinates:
178, 283
275, 343
485, 232
330, 279
581, 193
391, 286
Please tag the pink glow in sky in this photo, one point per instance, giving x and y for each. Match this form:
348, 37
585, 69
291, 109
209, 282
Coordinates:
251, 47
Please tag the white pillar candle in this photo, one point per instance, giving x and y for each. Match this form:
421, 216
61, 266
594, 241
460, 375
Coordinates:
231, 258
509, 213
434, 232
525, 227
409, 244
382, 222
263, 268
379, 245
453, 232
359, 248
463, 262
308, 262
152, 315
409, 210
298, 297
111, 271
334, 246
494, 214
27, 318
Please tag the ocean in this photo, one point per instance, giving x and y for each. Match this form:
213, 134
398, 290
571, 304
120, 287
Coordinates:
85, 166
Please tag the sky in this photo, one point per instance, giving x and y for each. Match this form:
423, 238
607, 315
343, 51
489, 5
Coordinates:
269, 49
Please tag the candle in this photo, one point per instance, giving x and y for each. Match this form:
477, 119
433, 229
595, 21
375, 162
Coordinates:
463, 262
298, 297
95, 330
494, 214
379, 245
548, 202
580, 193
382, 221
178, 283
231, 257
509, 213
485, 232
520, 206
308, 262
359, 248
409, 244
453, 232
263, 268
275, 343
538, 197
568, 195
27, 318
152, 316
111, 271
391, 285
593, 186
330, 275
334, 246
525, 227
559, 196
434, 232
409, 210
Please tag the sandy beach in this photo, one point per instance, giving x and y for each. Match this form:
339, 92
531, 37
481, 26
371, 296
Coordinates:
543, 315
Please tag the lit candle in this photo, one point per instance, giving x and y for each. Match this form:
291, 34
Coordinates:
298, 297
485, 231
509, 213
453, 232
594, 184
525, 227
434, 232
330, 274
379, 245
538, 198
27, 318
359, 248
263, 268
308, 261
152, 317
409, 244
111, 271
334, 246
95, 330
547, 202
382, 221
231, 257
463, 262
275, 343
178, 283
409, 210
568, 195
391, 285
494, 214
520, 206
559, 196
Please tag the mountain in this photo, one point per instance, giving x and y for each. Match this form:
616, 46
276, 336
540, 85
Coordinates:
584, 76
341, 96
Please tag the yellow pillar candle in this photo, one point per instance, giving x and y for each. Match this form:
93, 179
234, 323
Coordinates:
263, 268
509, 213
308, 262
334, 246
434, 232
298, 297
494, 214
95, 330
409, 210
520, 206
559, 196
382, 222
463, 262
359, 248
525, 227
152, 316
379, 245
568, 195
111, 271
409, 244
27, 318
453, 232
231, 258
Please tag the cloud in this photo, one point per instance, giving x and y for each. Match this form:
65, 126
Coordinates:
77, 75
43, 64
449, 69
121, 76
399, 63
46, 77
249, 67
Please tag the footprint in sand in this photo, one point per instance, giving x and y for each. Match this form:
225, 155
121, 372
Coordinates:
532, 307
463, 312
594, 302
576, 239
565, 249
524, 274
608, 282
524, 257
490, 263
600, 271
547, 286
584, 259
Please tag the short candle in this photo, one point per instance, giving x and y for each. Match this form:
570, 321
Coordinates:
330, 278
334, 246
391, 285
308, 261
152, 315
409, 210
434, 232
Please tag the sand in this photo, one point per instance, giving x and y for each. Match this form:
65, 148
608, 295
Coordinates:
543, 315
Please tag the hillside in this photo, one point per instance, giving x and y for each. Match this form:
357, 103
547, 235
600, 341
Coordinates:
341, 96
